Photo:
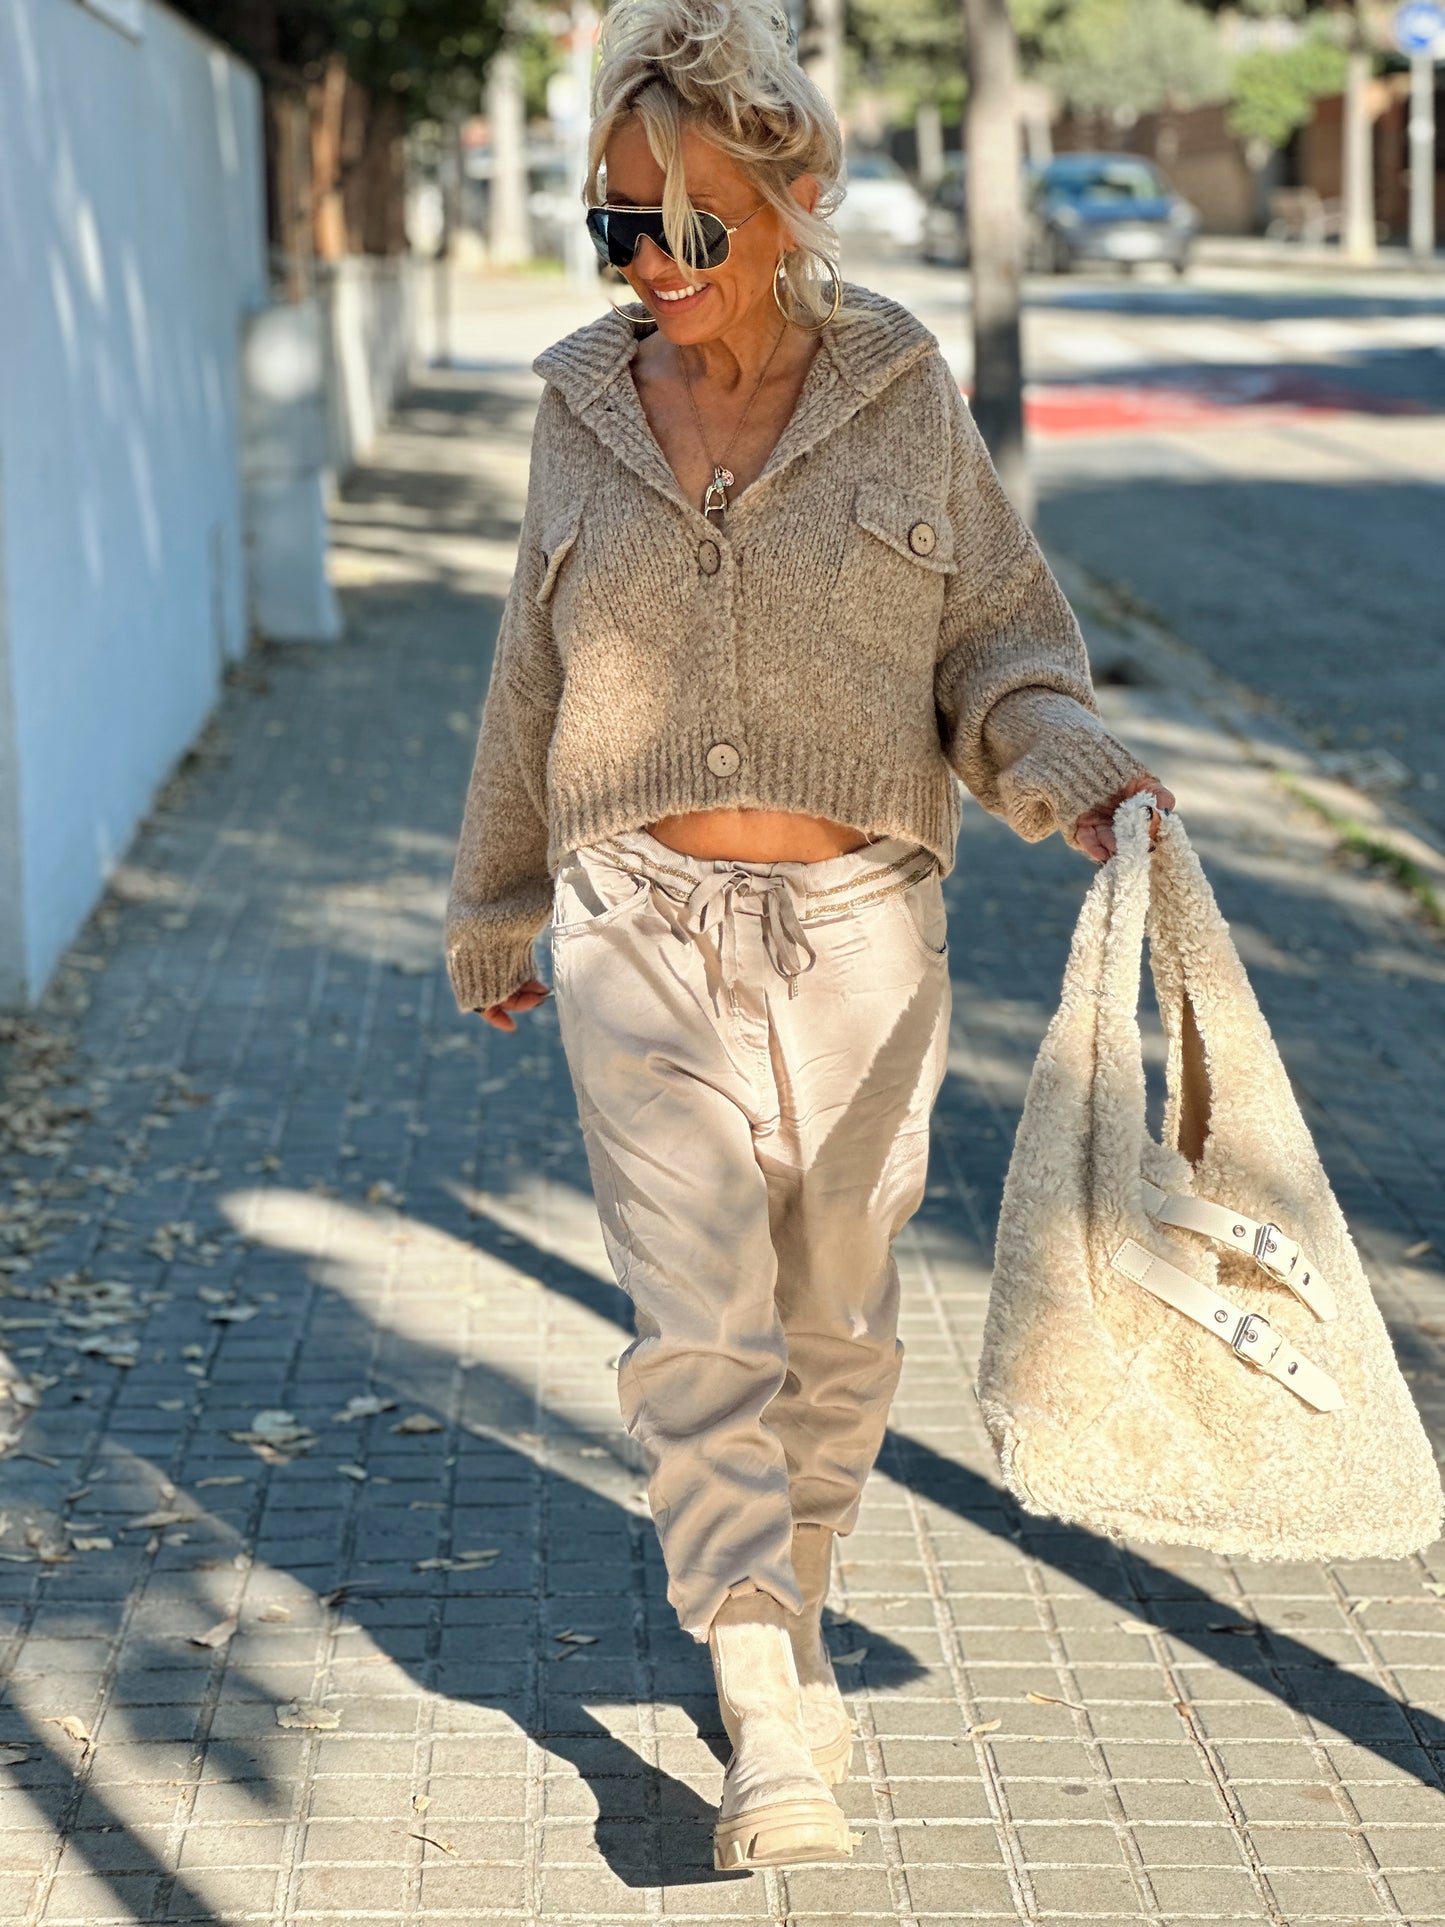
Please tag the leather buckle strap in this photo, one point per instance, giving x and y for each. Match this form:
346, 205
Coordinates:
1249, 1331
1249, 1335
1277, 1255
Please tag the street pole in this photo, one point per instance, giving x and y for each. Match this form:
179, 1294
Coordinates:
1359, 182
1422, 157
581, 260
820, 48
509, 239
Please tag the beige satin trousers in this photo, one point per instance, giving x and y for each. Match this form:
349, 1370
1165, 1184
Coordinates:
756, 1049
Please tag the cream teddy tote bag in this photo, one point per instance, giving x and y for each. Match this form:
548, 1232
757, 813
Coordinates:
1181, 1344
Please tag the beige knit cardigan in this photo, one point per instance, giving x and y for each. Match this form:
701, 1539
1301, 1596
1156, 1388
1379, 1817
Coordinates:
874, 622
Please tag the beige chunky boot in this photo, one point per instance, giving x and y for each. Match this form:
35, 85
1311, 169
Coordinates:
825, 1717
776, 1808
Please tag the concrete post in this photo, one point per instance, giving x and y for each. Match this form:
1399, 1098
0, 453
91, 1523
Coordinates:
283, 462
1422, 157
1359, 182
509, 240
820, 48
928, 131
581, 260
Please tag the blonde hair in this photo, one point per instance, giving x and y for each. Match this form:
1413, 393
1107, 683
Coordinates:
726, 68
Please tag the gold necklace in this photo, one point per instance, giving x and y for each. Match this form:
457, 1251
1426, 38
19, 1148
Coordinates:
714, 499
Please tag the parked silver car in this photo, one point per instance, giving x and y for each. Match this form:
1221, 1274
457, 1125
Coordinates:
881, 205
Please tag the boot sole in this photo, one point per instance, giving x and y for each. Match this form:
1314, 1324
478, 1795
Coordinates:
792, 1833
833, 1760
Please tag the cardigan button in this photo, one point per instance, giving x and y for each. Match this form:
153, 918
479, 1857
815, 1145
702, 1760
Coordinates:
709, 557
723, 760
921, 538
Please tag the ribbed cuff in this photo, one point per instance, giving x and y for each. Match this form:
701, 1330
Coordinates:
1067, 765
484, 968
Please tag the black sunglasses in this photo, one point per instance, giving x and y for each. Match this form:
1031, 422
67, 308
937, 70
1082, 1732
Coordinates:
618, 232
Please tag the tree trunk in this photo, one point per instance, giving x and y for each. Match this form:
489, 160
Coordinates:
995, 241
328, 117
291, 228
1359, 181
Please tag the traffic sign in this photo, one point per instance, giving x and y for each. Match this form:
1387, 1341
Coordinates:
1419, 28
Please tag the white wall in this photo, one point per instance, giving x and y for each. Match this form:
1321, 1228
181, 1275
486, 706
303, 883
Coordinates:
132, 241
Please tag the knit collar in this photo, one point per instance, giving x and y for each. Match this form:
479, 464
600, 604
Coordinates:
868, 344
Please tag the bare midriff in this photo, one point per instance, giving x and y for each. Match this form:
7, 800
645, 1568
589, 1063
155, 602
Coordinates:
757, 836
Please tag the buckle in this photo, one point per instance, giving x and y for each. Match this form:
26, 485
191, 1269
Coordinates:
1247, 1334
1268, 1241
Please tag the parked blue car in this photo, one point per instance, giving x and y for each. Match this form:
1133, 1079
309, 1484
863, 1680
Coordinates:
1106, 207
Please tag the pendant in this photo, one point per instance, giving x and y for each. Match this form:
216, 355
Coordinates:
715, 496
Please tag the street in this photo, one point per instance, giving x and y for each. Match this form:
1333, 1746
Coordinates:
329, 1592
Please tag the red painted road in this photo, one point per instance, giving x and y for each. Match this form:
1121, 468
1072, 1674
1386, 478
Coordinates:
1210, 399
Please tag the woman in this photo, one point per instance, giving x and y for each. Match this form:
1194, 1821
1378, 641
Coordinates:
770, 603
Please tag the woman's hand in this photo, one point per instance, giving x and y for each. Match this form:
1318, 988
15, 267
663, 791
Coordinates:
1094, 831
526, 997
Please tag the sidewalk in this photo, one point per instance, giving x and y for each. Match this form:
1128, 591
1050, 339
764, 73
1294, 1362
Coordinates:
328, 1588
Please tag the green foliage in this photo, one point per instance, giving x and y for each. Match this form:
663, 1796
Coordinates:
539, 57
1274, 89
910, 51
1133, 56
421, 51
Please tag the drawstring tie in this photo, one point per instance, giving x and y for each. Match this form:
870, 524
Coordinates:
784, 938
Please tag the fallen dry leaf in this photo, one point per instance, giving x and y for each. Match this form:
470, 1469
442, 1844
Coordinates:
156, 1521
72, 1728
97, 1543
417, 1422
276, 1435
307, 1715
445, 1845
984, 1726
357, 1472
223, 1478
364, 1405
420, 1802
1419, 1248
1135, 1626
855, 1658
1434, 1586
275, 1614
461, 1562
1052, 1699
218, 1635
577, 1639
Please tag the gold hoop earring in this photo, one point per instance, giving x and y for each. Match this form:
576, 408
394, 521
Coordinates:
634, 312
809, 327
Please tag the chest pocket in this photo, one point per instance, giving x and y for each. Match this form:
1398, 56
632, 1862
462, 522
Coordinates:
559, 537
913, 523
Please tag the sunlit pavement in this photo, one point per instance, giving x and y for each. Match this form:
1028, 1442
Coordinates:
338, 1601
